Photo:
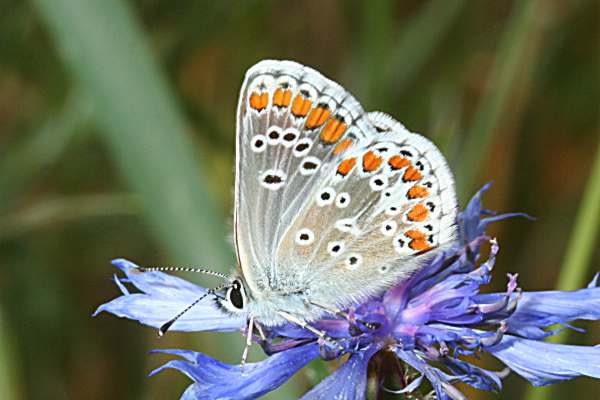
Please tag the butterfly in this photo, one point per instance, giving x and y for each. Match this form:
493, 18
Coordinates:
332, 204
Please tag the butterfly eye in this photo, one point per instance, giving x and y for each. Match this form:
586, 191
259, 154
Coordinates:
236, 296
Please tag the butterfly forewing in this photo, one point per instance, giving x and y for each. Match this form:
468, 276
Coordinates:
331, 202
290, 122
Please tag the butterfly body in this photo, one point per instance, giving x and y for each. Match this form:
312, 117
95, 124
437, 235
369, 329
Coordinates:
332, 204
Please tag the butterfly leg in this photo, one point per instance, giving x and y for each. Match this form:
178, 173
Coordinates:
261, 333
332, 310
343, 314
303, 324
249, 333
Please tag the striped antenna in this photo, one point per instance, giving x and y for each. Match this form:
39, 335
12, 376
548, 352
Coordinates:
183, 269
165, 327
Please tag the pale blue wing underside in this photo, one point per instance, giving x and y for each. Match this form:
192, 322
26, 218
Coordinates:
330, 200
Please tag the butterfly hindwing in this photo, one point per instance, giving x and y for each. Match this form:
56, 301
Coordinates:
374, 217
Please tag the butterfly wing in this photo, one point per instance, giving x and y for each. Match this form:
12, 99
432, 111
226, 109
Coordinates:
376, 216
331, 201
282, 147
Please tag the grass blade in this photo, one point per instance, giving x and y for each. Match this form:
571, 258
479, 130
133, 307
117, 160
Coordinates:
376, 21
582, 242
104, 47
511, 55
581, 247
58, 210
20, 165
418, 41
9, 368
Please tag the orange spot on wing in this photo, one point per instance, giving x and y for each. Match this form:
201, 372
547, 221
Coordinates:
333, 131
419, 245
411, 174
281, 97
415, 234
417, 191
300, 106
278, 96
346, 166
371, 161
259, 101
287, 97
418, 213
317, 117
264, 99
418, 242
342, 146
397, 162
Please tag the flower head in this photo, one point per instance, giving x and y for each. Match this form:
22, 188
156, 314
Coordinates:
436, 322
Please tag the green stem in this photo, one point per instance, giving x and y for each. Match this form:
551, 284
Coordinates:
582, 241
581, 247
9, 368
511, 55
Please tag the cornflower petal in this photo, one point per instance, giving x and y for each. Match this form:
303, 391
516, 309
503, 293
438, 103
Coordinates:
473, 375
436, 321
470, 218
543, 309
163, 297
155, 283
537, 311
348, 382
438, 379
471, 223
542, 363
216, 380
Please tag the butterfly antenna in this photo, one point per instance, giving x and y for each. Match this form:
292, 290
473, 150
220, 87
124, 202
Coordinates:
183, 269
165, 327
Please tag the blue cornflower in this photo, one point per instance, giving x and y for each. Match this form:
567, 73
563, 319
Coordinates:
437, 322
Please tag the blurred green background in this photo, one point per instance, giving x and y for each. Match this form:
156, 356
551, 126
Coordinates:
117, 124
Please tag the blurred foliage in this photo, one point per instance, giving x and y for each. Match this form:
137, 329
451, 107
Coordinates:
117, 139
